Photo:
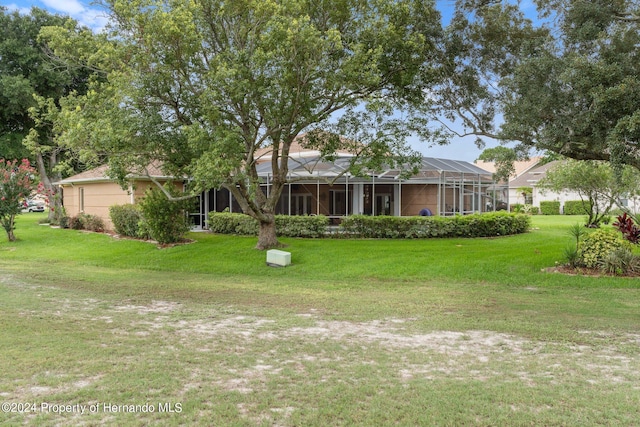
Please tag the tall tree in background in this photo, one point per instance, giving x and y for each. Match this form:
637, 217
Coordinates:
29, 78
482, 46
580, 95
205, 86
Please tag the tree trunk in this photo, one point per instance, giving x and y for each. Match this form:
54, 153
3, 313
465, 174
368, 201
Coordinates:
267, 238
9, 225
55, 202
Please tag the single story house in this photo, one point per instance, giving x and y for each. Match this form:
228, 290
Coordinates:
93, 191
316, 187
529, 173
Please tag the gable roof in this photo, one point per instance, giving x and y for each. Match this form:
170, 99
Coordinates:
100, 174
520, 166
532, 176
297, 149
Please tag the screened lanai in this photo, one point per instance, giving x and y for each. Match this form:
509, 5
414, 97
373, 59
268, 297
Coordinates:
317, 187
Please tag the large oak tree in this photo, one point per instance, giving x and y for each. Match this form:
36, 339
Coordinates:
205, 85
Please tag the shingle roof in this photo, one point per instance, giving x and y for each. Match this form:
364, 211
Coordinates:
100, 174
533, 175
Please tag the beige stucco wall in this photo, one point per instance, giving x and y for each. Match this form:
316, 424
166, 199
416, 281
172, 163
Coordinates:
99, 196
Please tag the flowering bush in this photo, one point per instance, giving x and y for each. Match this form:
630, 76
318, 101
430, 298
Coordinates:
16, 183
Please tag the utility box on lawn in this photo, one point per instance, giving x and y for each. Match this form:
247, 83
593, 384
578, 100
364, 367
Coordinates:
276, 258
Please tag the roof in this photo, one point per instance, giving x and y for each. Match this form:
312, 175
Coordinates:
520, 166
100, 174
313, 167
296, 149
533, 175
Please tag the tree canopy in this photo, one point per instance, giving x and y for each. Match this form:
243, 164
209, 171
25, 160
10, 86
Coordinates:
566, 81
208, 86
31, 82
595, 182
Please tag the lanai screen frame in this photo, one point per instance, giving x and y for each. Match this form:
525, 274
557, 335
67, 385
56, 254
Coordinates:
467, 179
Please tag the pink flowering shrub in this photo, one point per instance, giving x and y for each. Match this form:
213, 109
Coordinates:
17, 181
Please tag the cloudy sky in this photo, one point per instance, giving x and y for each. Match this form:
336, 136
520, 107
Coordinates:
91, 15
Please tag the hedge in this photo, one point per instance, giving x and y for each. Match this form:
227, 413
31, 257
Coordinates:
476, 225
379, 227
550, 208
576, 207
287, 226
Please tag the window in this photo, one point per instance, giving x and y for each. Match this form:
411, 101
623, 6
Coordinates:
81, 201
338, 203
301, 204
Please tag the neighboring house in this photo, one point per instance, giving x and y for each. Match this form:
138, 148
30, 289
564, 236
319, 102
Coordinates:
93, 192
442, 187
530, 174
521, 168
527, 174
530, 178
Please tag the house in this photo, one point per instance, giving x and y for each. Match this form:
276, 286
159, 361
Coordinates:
316, 187
531, 179
93, 191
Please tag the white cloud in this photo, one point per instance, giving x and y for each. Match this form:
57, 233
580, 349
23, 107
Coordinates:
93, 18
71, 7
21, 9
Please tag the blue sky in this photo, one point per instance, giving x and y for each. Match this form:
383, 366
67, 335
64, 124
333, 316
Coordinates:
92, 16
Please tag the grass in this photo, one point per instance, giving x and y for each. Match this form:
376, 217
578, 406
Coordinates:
355, 332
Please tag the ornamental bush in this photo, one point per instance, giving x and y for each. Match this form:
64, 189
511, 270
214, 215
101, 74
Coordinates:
621, 261
164, 220
77, 222
86, 222
288, 226
379, 227
597, 246
550, 207
576, 207
126, 220
476, 225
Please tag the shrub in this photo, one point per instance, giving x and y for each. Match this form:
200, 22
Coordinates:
629, 229
576, 207
85, 222
301, 226
232, 223
621, 261
550, 207
379, 227
289, 226
517, 208
77, 222
595, 247
126, 219
477, 225
164, 220
93, 223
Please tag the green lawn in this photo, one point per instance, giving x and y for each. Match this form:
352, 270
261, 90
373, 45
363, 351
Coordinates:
355, 332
